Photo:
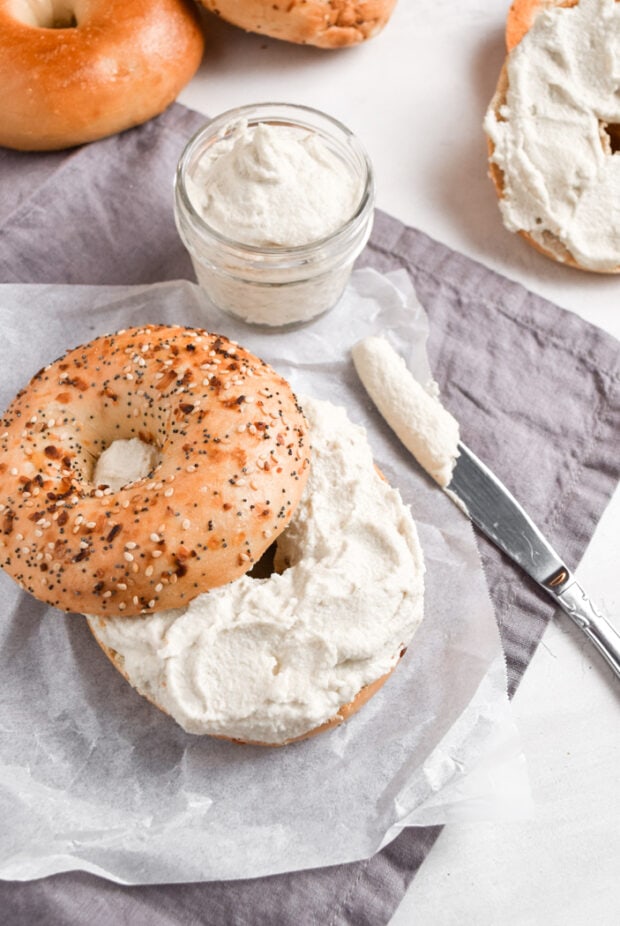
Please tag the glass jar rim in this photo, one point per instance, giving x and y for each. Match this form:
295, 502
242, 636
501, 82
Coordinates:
253, 109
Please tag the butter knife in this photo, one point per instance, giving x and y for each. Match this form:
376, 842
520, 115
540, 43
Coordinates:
497, 513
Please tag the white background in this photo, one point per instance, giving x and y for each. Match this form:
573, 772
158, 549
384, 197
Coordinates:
416, 96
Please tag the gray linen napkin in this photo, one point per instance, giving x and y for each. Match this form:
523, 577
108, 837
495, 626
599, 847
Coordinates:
103, 214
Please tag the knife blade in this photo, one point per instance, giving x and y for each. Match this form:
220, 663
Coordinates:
493, 509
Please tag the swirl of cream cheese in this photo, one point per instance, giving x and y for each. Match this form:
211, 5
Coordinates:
268, 660
274, 186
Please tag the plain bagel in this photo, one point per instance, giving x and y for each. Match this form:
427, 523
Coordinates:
232, 463
325, 23
553, 131
72, 71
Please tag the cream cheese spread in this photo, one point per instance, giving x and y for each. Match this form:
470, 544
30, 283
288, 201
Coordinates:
267, 660
273, 186
417, 417
561, 175
125, 461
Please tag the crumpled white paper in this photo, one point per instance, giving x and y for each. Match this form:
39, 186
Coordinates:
93, 777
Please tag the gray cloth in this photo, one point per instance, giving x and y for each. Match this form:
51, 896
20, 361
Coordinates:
534, 387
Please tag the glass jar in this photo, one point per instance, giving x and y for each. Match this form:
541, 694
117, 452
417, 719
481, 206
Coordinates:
274, 285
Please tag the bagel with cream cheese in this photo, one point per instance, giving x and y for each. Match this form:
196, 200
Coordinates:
270, 660
222, 462
72, 71
143, 475
553, 131
324, 23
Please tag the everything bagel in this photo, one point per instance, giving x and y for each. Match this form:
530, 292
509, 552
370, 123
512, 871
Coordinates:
325, 23
229, 463
72, 71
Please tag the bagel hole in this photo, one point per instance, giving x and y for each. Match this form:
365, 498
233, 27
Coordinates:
124, 462
265, 566
610, 136
45, 14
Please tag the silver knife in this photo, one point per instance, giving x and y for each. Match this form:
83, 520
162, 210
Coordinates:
497, 513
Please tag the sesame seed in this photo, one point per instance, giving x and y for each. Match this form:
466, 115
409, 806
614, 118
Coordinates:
159, 587
156, 553
148, 571
186, 524
128, 557
169, 492
131, 545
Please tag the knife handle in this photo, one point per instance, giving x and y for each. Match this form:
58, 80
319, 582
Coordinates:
573, 599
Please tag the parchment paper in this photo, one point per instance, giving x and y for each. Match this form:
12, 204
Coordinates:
92, 777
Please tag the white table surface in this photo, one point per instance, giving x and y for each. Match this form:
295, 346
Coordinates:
416, 96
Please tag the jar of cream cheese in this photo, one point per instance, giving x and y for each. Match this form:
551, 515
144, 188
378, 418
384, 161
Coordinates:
274, 202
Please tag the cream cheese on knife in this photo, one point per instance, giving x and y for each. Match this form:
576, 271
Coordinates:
418, 418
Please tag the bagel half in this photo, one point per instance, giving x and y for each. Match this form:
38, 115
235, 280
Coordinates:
521, 17
345, 712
